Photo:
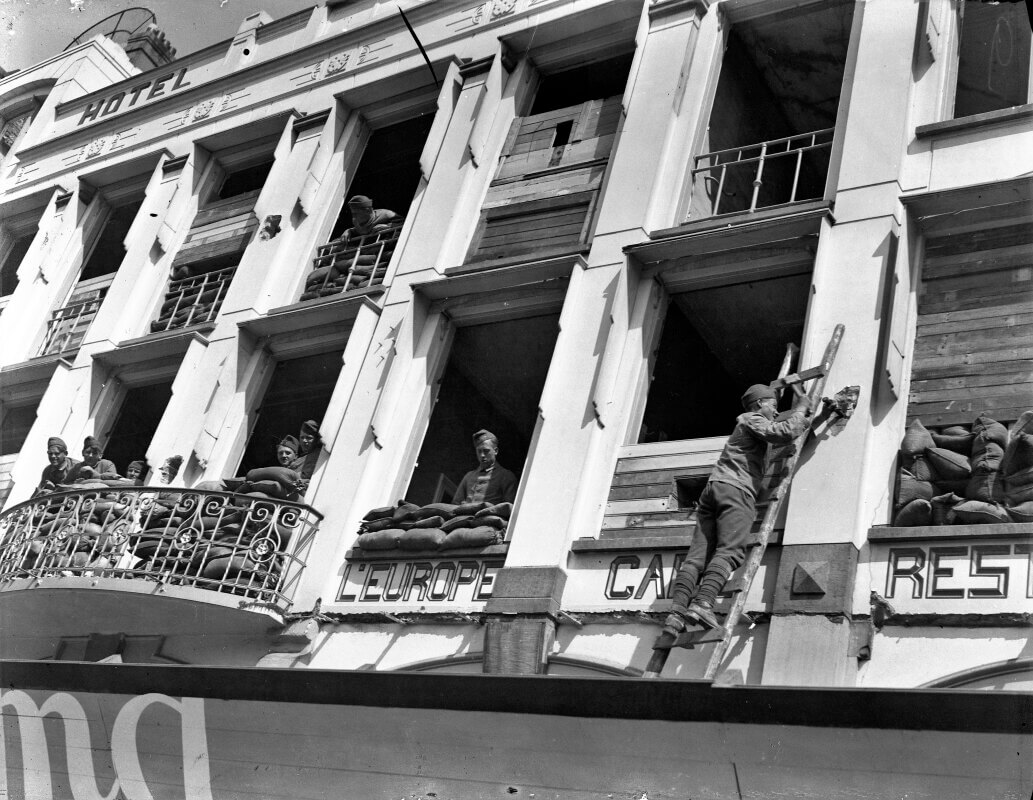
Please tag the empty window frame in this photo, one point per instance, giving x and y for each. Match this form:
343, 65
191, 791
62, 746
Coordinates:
299, 390
109, 248
993, 57
769, 137
715, 342
15, 424
12, 260
493, 381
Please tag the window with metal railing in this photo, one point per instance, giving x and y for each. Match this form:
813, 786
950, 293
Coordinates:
352, 262
194, 300
68, 325
765, 174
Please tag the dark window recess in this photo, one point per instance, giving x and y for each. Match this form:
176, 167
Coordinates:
108, 252
389, 171
13, 260
574, 86
993, 61
14, 428
243, 180
300, 389
714, 344
769, 136
493, 380
137, 420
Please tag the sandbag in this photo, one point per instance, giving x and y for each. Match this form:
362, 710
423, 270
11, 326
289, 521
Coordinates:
470, 508
404, 511
921, 468
990, 430
504, 510
498, 523
948, 465
986, 456
910, 488
421, 539
273, 489
915, 513
984, 485
384, 512
381, 540
459, 522
1018, 455
227, 567
916, 439
481, 536
943, 508
976, 512
445, 510
427, 522
955, 438
378, 525
1018, 487
284, 476
1023, 512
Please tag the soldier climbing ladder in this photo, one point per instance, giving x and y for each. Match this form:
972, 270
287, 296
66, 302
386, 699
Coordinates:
779, 475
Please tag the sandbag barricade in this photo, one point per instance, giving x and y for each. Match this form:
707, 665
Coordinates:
966, 476
437, 526
194, 296
346, 264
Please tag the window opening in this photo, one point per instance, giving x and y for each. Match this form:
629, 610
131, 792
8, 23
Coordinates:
110, 249
14, 428
243, 180
138, 417
389, 170
605, 78
769, 136
12, 261
300, 390
993, 58
493, 381
715, 342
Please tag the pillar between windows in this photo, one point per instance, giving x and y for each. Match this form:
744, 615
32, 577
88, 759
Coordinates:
521, 619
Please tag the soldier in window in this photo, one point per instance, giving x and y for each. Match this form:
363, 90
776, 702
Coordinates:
490, 482
93, 465
366, 219
59, 468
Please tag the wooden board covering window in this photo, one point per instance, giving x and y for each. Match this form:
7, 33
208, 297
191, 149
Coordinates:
543, 195
220, 228
974, 340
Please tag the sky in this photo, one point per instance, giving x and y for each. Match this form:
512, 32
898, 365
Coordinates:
33, 30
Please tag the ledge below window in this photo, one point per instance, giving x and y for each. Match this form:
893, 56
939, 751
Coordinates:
996, 530
356, 554
1000, 117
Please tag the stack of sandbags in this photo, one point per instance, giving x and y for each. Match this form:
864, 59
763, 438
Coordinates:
190, 302
961, 476
438, 526
345, 265
1016, 471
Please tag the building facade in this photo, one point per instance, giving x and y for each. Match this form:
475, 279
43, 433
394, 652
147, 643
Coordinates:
609, 219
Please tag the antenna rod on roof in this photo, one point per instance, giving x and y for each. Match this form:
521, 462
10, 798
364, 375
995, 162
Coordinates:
419, 44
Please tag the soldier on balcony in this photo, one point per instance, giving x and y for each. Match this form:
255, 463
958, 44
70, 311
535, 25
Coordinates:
490, 482
59, 467
93, 465
136, 471
309, 446
366, 219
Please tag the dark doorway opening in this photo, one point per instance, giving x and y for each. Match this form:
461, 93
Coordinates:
715, 343
137, 420
605, 78
389, 171
13, 260
110, 248
493, 381
300, 390
14, 427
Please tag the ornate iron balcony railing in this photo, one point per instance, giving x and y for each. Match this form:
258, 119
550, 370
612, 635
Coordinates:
192, 301
725, 171
237, 544
357, 262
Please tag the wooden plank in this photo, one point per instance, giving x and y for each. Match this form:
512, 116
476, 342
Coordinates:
680, 461
978, 313
644, 535
931, 372
1000, 389
1014, 354
981, 239
659, 519
196, 254
1001, 408
950, 301
989, 322
524, 163
982, 340
993, 261
981, 281
644, 505
223, 225
644, 490
553, 184
975, 381
226, 208
589, 150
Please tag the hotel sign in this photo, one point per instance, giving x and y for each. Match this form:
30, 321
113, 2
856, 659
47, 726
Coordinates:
160, 86
430, 582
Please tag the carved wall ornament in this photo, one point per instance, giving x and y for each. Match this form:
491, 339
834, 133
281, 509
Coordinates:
203, 109
336, 63
95, 147
501, 8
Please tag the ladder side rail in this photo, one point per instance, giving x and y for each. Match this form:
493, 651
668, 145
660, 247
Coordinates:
771, 514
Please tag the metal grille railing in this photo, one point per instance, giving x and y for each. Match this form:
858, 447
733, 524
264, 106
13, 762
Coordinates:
750, 166
194, 300
348, 263
237, 544
67, 326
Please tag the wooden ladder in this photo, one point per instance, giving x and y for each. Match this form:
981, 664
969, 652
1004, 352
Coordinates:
779, 474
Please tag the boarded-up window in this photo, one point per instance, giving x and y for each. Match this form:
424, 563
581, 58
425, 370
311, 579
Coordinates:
974, 342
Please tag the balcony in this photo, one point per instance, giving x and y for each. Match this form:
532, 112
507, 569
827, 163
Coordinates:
68, 325
349, 263
773, 173
238, 545
194, 300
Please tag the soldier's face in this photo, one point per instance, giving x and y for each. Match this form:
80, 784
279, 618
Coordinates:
486, 452
91, 455
56, 456
768, 407
285, 456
